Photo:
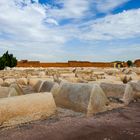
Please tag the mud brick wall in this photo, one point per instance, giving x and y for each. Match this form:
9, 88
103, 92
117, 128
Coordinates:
65, 64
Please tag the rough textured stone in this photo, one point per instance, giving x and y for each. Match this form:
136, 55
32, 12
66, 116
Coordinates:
113, 90
136, 88
37, 86
80, 97
33, 81
26, 108
8, 82
22, 81
46, 86
13, 90
1, 81
128, 95
97, 102
4, 92
135, 85
42, 74
17, 88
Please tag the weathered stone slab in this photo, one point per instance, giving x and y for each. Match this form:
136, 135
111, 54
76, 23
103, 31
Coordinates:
26, 108
8, 82
37, 86
13, 90
1, 81
113, 90
81, 97
128, 94
46, 86
33, 81
17, 87
4, 92
22, 81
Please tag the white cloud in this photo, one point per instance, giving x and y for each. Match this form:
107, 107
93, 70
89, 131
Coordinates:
120, 26
70, 9
108, 5
23, 29
81, 8
33, 28
52, 21
27, 23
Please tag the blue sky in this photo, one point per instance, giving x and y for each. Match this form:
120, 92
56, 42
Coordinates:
62, 30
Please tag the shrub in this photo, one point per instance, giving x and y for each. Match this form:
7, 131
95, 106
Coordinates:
129, 63
2, 64
7, 60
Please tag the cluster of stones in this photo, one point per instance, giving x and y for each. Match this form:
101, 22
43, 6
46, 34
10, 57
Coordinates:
28, 94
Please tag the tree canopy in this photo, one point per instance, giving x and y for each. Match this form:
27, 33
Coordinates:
7, 60
129, 63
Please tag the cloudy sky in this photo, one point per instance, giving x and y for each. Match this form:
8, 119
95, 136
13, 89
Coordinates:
62, 30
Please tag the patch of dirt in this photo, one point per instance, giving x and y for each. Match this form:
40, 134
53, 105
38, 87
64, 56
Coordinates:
119, 124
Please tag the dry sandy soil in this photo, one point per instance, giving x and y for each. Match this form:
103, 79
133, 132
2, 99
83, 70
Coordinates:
119, 124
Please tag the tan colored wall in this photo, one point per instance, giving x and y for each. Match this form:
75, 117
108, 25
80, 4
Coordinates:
54, 65
28, 64
67, 64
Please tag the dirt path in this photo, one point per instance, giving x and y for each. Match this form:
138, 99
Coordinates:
120, 124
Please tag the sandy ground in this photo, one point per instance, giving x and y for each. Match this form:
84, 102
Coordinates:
119, 124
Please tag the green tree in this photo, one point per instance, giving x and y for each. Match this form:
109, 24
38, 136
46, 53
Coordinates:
7, 60
129, 63
2, 64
